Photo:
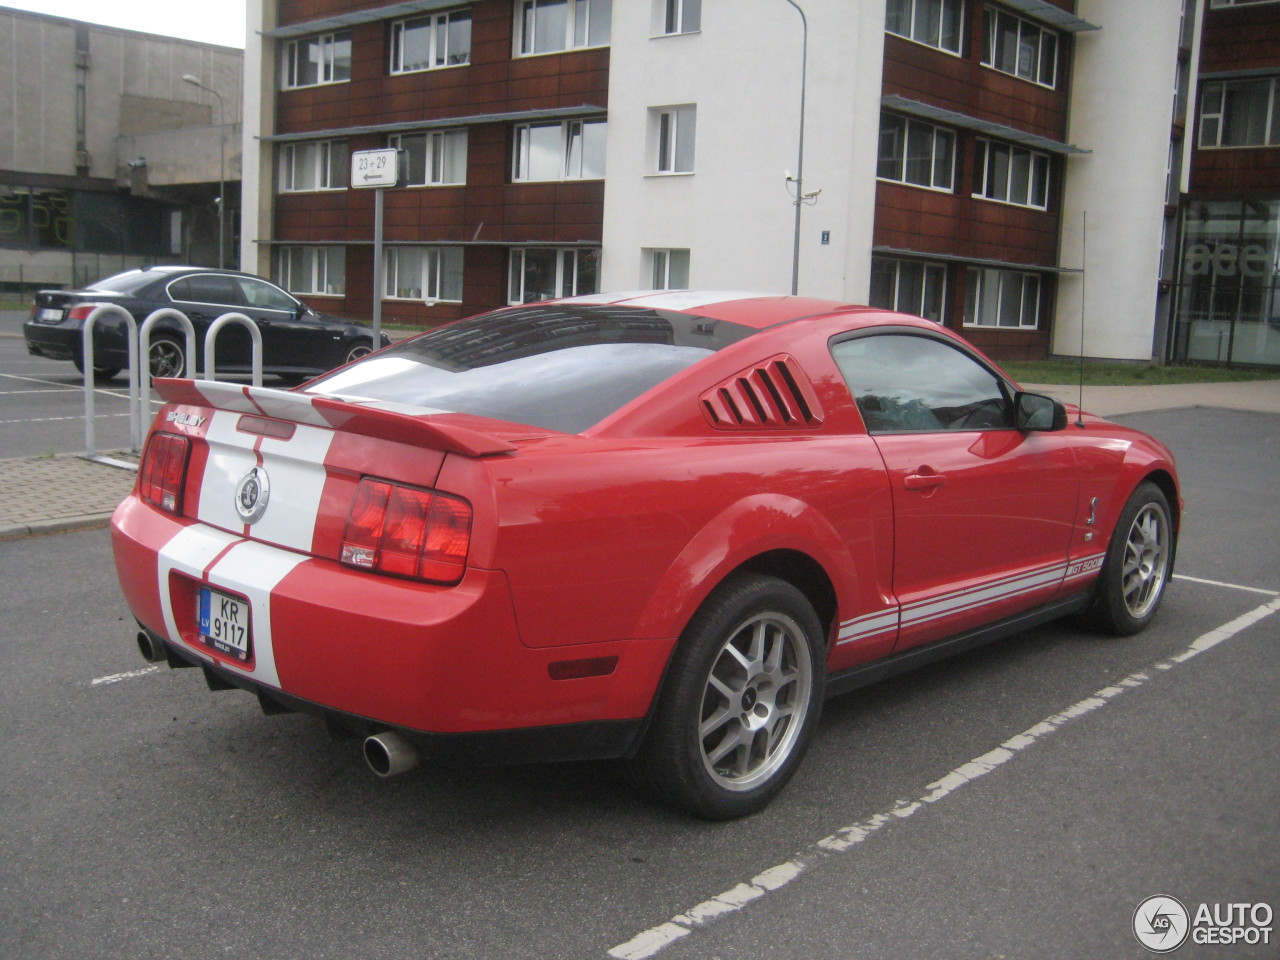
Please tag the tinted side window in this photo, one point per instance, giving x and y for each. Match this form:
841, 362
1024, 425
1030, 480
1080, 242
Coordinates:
260, 294
911, 384
208, 288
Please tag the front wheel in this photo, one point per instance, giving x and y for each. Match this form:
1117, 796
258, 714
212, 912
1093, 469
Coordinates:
1138, 564
742, 697
358, 349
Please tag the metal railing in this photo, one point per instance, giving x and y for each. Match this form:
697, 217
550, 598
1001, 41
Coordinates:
139, 341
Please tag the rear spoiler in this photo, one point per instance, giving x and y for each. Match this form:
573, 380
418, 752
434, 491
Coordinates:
370, 418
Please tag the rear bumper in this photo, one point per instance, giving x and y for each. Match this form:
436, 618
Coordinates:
65, 341
440, 664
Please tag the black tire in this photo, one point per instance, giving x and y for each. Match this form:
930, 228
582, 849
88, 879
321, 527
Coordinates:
1138, 565
101, 374
166, 356
741, 700
357, 349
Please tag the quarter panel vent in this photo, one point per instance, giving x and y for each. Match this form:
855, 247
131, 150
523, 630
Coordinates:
774, 395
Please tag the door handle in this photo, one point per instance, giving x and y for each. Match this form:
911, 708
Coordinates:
924, 479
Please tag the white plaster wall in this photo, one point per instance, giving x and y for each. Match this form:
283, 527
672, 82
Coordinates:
1122, 110
734, 213
257, 183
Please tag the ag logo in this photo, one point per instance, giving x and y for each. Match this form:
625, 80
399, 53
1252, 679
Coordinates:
252, 494
1161, 924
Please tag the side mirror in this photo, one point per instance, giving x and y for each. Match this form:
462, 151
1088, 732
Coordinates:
1031, 411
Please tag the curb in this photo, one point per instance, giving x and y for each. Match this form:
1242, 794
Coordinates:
40, 528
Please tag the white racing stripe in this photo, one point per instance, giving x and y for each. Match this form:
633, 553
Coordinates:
652, 941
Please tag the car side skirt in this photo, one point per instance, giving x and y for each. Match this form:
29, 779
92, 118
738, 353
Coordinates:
890, 666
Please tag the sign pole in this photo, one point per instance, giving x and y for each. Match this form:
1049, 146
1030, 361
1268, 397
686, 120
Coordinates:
376, 169
377, 267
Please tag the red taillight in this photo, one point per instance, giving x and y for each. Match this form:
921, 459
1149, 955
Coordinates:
82, 311
407, 532
164, 471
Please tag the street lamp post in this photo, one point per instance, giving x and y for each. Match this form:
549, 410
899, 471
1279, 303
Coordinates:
222, 164
799, 178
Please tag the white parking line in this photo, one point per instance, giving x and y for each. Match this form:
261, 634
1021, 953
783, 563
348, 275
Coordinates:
117, 677
650, 942
1229, 586
96, 416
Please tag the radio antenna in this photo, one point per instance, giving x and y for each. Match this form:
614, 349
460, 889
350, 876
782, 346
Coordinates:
1084, 273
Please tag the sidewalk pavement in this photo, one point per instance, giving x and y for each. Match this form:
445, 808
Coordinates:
68, 492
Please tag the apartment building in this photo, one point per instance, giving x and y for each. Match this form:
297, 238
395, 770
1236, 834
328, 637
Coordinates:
1010, 168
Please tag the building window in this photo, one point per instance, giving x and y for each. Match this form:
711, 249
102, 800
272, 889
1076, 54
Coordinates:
935, 23
669, 269
430, 42
316, 60
915, 152
316, 270
1002, 298
1240, 113
560, 150
1010, 174
676, 16
673, 131
423, 273
546, 273
313, 165
433, 159
549, 26
909, 286
1019, 47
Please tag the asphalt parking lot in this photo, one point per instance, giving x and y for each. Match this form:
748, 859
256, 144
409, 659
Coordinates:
1019, 801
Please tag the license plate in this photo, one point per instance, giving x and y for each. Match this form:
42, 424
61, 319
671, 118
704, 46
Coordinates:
224, 623
49, 315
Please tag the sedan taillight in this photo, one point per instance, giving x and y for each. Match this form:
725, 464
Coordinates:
407, 532
164, 471
82, 311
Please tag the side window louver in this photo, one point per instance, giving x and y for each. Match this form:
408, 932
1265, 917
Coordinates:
773, 395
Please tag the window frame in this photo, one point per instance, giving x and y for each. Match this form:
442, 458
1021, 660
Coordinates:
675, 135
991, 35
662, 261
433, 272
434, 156
912, 17
1217, 113
927, 268
671, 18
438, 23
319, 269
578, 25
1037, 160
330, 175
328, 42
976, 294
902, 158
521, 155
519, 255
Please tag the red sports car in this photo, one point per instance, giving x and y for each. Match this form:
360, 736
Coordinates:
661, 527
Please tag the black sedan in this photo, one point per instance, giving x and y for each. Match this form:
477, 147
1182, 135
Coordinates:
296, 341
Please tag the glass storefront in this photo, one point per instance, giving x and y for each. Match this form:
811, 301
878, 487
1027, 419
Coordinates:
1229, 283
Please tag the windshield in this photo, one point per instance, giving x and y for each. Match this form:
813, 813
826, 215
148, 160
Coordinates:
562, 366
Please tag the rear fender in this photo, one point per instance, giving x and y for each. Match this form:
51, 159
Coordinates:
753, 526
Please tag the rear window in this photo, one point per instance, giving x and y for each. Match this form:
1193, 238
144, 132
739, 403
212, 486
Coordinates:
129, 282
563, 367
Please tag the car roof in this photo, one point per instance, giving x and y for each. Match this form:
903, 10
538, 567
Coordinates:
755, 310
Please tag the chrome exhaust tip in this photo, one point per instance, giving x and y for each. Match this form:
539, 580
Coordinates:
389, 753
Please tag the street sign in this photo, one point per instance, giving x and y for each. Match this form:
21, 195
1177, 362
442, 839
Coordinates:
375, 168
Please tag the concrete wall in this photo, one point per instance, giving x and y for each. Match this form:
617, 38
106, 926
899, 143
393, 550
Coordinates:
258, 181
1122, 110
734, 213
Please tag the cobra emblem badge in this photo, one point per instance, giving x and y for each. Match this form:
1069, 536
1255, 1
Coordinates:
252, 494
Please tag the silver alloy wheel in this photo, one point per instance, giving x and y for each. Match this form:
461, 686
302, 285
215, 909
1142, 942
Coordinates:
755, 701
165, 359
1146, 560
